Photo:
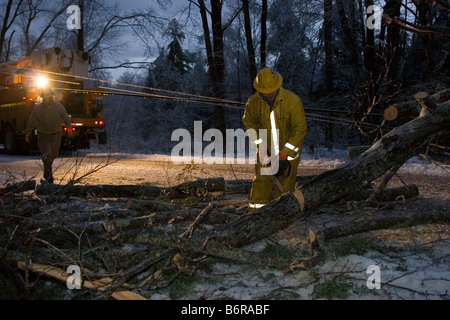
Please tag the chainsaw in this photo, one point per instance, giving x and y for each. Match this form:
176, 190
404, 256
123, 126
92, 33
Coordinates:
284, 170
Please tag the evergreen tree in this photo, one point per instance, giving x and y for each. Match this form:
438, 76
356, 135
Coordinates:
175, 53
288, 42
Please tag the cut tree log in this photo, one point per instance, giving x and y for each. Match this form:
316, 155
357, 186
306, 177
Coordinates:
392, 150
412, 108
190, 188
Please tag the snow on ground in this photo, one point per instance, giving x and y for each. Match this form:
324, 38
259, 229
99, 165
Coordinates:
322, 158
403, 275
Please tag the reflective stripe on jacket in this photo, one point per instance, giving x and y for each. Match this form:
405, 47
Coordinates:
286, 115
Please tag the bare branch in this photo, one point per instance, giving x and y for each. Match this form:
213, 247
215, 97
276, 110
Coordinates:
129, 65
415, 28
442, 3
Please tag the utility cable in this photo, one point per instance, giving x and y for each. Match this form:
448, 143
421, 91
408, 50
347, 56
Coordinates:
183, 97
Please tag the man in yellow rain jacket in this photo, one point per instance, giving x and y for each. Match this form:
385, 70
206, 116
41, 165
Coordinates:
280, 114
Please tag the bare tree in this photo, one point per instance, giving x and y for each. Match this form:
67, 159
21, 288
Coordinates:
11, 13
35, 10
80, 32
327, 31
248, 36
102, 29
214, 54
392, 8
351, 43
263, 52
215, 50
369, 52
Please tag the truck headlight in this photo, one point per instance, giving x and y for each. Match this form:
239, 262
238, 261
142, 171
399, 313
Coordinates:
41, 81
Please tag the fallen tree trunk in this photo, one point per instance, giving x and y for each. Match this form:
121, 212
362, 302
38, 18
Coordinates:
355, 151
151, 206
390, 194
244, 186
195, 188
19, 187
391, 151
383, 220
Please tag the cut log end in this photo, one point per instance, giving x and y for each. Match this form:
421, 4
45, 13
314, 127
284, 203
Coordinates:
391, 113
422, 100
425, 101
421, 95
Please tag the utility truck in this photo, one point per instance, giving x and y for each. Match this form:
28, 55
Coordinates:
66, 72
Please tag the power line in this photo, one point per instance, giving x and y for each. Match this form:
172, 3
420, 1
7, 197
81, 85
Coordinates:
185, 97
138, 86
330, 119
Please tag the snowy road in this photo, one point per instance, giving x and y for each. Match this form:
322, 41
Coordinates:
122, 169
119, 169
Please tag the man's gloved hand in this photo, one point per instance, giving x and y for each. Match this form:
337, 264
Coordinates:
282, 155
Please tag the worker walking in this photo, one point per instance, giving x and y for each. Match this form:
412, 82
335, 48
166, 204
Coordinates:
47, 117
280, 113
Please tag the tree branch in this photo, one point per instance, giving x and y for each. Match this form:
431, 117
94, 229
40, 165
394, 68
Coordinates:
415, 28
442, 3
129, 65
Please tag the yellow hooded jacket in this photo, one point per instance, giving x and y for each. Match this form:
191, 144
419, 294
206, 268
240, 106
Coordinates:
286, 115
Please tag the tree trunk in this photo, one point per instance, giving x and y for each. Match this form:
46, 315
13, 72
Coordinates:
263, 34
248, 36
369, 54
382, 220
214, 62
387, 195
392, 150
424, 7
351, 43
7, 23
392, 9
327, 31
80, 33
219, 61
19, 187
194, 188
